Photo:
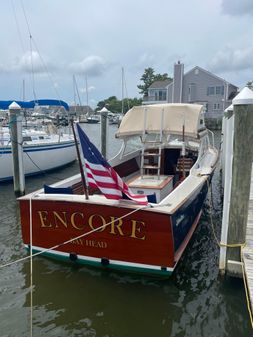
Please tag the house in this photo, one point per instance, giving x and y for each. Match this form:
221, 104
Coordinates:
196, 86
80, 110
158, 91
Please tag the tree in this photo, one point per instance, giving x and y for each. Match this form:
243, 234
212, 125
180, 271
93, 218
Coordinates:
148, 78
115, 106
250, 85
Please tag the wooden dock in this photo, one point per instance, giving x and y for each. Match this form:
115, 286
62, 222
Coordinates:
248, 250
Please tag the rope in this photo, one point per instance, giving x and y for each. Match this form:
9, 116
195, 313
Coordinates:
246, 291
31, 267
18, 28
32, 40
233, 245
72, 239
33, 162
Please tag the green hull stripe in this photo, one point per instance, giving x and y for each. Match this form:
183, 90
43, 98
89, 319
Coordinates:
113, 266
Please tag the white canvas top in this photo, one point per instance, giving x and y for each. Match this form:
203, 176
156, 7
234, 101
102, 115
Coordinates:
171, 115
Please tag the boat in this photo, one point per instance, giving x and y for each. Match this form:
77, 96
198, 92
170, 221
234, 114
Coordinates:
115, 119
93, 119
43, 150
167, 158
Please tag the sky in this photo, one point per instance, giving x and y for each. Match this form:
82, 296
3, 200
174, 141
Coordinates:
44, 43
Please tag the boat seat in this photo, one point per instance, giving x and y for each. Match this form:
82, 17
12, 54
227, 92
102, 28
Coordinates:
57, 190
77, 188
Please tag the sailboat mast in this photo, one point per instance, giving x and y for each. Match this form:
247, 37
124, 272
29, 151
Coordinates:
122, 90
23, 90
87, 94
74, 89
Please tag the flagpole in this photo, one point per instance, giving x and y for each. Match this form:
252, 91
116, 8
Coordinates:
80, 163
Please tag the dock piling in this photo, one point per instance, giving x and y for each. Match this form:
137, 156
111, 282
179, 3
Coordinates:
238, 198
17, 149
104, 122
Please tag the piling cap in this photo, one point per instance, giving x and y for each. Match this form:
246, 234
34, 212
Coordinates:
14, 106
229, 108
244, 97
104, 109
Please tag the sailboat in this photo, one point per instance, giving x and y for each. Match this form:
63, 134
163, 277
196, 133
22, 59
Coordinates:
43, 149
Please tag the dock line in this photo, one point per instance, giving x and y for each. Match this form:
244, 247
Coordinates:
70, 240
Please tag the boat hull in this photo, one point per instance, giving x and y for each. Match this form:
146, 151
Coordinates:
37, 158
143, 241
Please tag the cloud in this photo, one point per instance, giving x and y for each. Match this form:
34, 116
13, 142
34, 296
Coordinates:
228, 60
30, 62
3, 68
90, 88
237, 7
146, 60
92, 65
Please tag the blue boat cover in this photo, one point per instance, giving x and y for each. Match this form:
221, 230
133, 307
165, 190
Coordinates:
31, 104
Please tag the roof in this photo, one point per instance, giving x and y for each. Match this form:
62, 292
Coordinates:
173, 115
159, 84
209, 73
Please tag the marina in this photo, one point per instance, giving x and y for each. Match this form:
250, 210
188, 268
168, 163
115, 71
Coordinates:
126, 211
195, 301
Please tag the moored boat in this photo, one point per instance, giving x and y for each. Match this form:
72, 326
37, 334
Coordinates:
42, 152
171, 168
93, 119
44, 146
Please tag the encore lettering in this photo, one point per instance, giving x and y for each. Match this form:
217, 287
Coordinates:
63, 220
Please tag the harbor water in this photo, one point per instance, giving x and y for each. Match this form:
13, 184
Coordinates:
71, 301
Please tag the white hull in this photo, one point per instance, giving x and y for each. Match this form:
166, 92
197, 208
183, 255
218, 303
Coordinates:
37, 158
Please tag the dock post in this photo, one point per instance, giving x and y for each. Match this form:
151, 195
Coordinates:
17, 149
226, 167
104, 122
241, 177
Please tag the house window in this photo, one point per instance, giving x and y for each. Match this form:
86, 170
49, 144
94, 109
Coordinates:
210, 91
219, 90
216, 106
160, 95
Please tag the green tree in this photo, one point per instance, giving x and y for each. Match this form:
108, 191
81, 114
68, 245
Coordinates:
115, 106
250, 84
148, 78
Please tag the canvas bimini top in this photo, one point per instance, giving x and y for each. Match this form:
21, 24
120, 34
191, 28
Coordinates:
169, 117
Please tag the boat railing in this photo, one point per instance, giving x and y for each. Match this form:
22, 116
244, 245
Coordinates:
211, 135
205, 144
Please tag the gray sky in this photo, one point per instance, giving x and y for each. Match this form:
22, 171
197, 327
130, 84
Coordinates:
97, 38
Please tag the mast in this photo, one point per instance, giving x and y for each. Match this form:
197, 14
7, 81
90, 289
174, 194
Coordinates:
74, 91
183, 148
23, 90
87, 94
122, 90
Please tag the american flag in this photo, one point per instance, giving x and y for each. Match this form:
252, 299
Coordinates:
101, 175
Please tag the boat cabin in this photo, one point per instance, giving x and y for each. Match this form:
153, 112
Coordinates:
162, 145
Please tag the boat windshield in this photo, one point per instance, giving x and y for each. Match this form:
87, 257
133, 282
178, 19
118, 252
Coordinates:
132, 144
136, 142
